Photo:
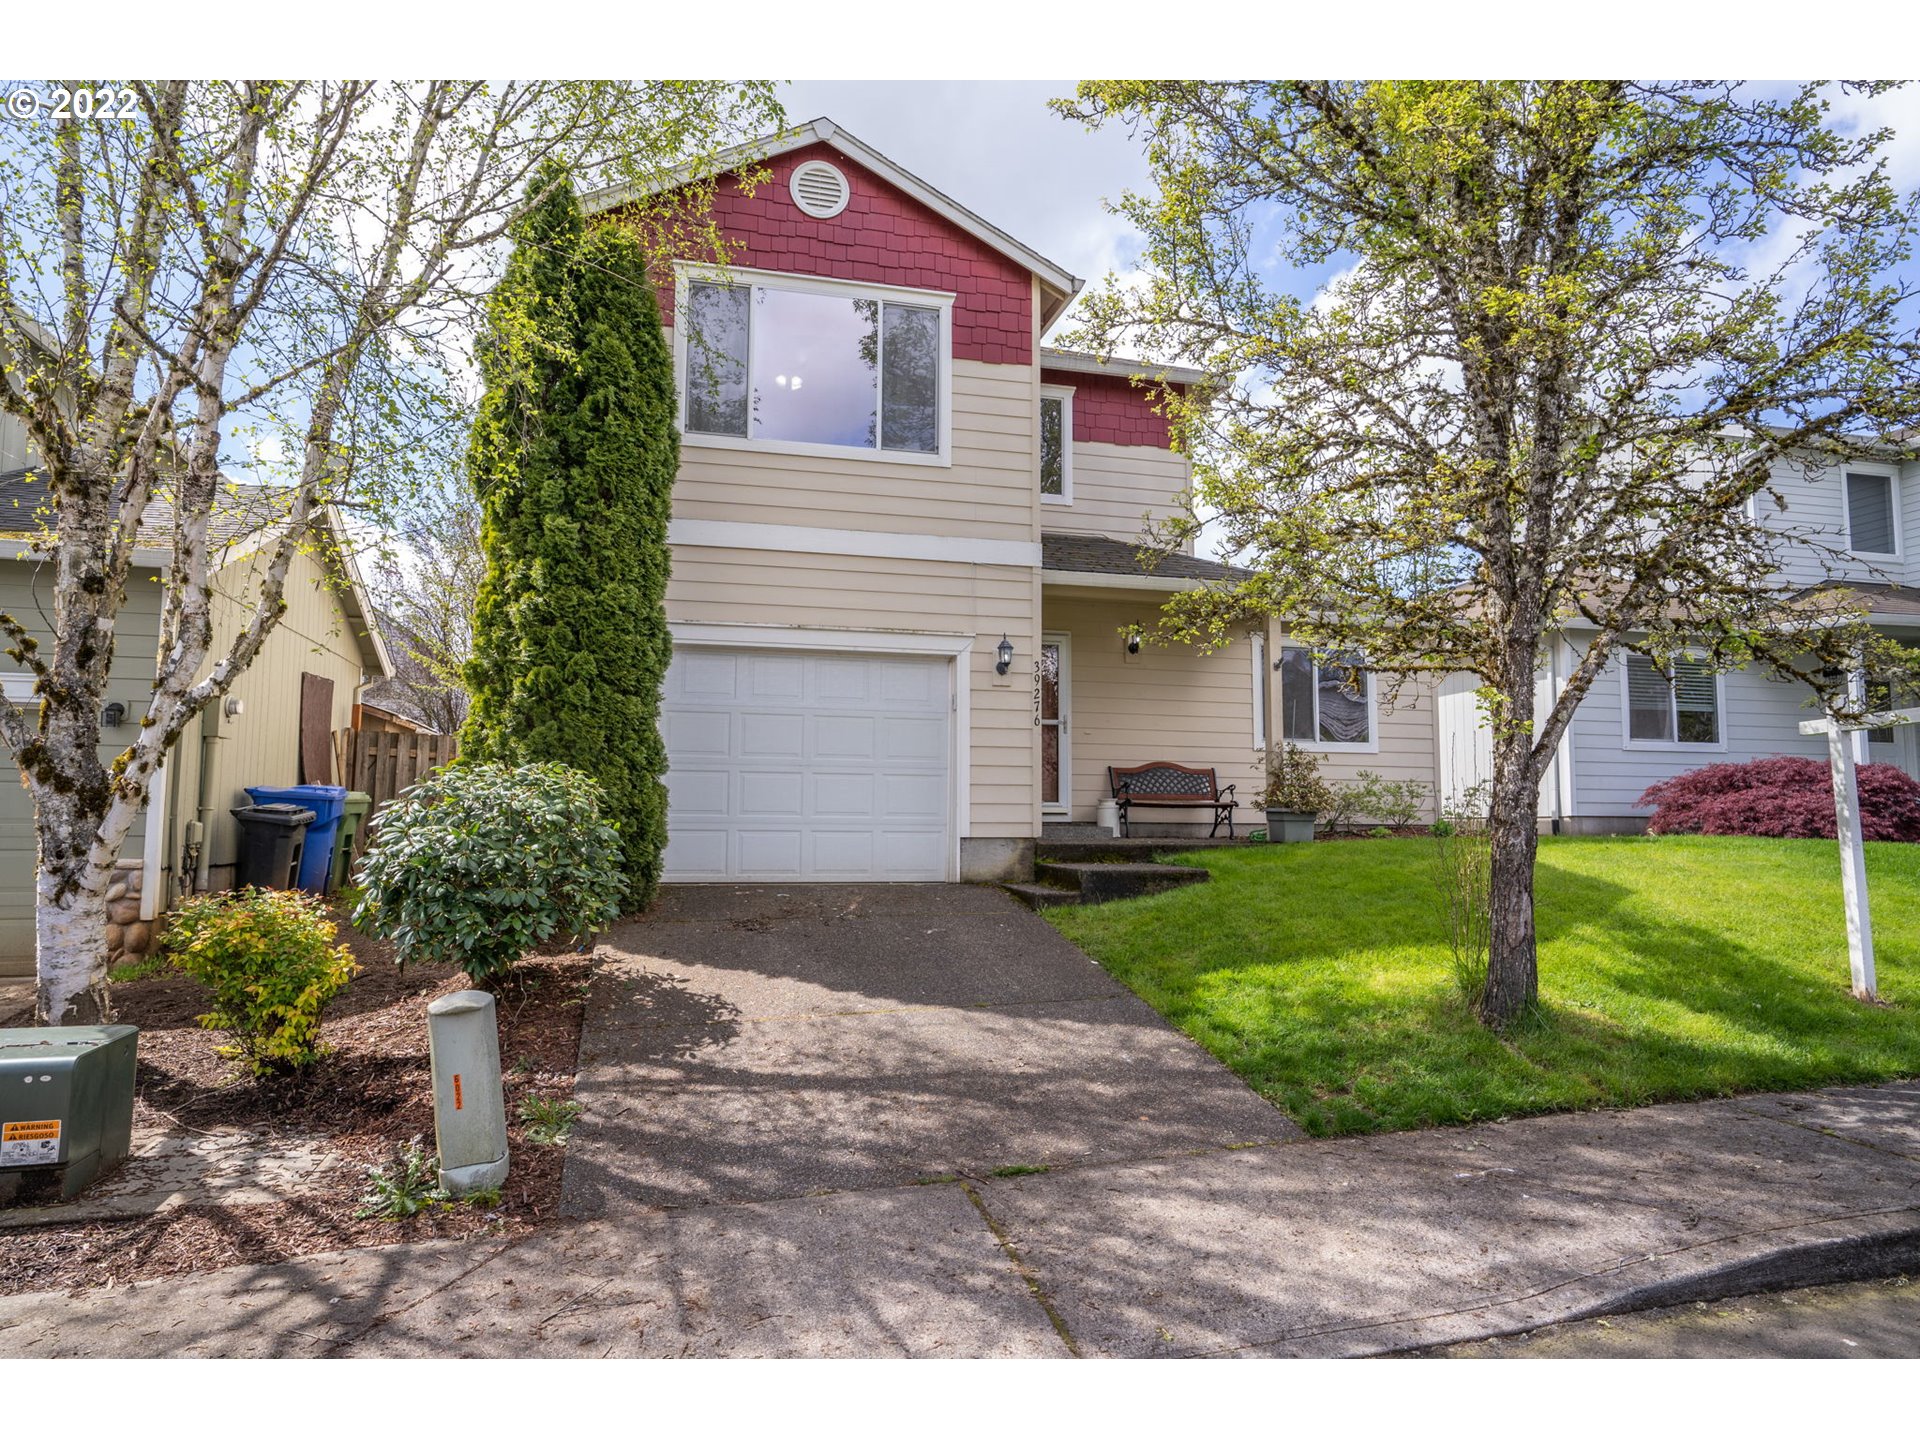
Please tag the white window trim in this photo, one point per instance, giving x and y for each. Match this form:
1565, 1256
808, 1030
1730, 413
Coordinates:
1370, 746
1257, 644
685, 274
1892, 476
1064, 805
1064, 394
17, 686
1690, 747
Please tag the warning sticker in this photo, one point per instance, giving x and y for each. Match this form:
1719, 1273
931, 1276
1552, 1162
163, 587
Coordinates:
30, 1142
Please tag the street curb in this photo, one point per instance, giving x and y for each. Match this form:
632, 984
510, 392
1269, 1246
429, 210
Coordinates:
1835, 1261
1872, 1247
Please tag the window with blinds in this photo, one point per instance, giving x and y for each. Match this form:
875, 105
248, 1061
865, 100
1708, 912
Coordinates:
1679, 708
1870, 514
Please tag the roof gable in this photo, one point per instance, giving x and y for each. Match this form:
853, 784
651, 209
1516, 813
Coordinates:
1058, 286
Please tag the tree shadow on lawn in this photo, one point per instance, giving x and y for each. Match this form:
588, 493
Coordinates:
1637, 1006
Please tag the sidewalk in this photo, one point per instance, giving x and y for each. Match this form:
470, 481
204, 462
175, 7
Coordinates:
1340, 1247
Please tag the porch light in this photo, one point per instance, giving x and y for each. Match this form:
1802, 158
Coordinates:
1005, 652
1133, 640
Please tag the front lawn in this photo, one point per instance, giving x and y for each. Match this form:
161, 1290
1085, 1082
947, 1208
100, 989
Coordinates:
1671, 967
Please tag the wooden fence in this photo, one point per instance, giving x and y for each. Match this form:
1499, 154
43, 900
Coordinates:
385, 764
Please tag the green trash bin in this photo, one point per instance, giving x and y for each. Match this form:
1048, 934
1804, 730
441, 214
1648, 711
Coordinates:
351, 819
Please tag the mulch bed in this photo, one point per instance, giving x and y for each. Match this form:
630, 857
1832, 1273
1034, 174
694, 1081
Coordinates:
368, 1097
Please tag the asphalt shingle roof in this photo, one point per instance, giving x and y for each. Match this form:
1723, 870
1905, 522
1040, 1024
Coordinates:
1097, 555
1882, 598
239, 511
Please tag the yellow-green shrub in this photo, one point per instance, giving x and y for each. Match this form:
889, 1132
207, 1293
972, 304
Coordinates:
268, 957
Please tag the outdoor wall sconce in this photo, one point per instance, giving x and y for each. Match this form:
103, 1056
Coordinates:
1005, 653
114, 716
1133, 640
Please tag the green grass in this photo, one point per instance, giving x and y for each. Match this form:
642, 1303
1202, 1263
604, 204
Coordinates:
1671, 968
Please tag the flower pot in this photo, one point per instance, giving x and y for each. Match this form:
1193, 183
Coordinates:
1289, 826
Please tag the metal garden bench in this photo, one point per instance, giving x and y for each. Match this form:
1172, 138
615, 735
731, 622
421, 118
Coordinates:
1163, 785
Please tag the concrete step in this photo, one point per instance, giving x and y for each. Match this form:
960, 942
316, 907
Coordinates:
1139, 848
1099, 881
1042, 897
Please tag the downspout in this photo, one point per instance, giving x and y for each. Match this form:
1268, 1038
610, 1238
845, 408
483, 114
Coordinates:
210, 738
1553, 698
173, 864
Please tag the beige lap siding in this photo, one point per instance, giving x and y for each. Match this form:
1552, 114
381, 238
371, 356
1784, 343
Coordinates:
986, 493
1406, 746
1166, 703
1116, 487
261, 746
713, 585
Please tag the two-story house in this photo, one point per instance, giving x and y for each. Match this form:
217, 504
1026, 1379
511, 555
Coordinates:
906, 593
1638, 725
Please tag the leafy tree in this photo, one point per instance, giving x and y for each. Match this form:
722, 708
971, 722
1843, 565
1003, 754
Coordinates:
293, 264
574, 455
1573, 330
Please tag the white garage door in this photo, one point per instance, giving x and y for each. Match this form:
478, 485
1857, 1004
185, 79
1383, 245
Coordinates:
787, 765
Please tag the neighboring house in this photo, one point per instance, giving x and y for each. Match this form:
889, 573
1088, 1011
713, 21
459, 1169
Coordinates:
307, 676
1638, 726
884, 476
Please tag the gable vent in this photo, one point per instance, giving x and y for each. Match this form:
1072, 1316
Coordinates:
819, 189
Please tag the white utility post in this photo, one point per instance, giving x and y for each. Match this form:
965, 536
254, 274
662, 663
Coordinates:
1845, 740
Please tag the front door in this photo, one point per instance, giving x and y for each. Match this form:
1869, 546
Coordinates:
1051, 699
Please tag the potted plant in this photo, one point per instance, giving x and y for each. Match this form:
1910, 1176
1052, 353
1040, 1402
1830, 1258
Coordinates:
1294, 794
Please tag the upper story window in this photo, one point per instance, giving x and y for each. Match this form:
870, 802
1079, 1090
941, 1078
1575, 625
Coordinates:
1056, 444
1325, 706
1680, 707
805, 366
1872, 523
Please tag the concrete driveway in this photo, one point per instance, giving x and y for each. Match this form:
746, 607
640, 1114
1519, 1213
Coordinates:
755, 1043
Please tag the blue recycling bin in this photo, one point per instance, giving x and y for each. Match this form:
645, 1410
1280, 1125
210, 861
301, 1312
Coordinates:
327, 803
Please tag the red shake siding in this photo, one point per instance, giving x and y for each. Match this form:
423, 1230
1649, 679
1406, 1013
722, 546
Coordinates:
885, 237
1112, 410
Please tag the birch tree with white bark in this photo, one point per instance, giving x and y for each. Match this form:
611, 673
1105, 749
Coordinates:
285, 268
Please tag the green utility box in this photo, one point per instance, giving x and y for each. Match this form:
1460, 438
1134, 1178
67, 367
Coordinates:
66, 1108
351, 819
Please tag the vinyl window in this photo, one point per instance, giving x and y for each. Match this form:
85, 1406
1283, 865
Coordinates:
1056, 445
1681, 707
1325, 706
808, 367
1871, 524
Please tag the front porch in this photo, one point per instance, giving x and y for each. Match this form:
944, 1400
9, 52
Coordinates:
1105, 694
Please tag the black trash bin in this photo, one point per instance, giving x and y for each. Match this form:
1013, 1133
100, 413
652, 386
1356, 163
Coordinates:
272, 840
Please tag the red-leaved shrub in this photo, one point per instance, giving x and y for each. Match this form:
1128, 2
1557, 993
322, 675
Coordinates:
1781, 796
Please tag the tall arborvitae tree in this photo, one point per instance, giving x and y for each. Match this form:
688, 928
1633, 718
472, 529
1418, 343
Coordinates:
573, 457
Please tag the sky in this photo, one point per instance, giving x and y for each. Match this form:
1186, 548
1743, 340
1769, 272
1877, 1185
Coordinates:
995, 147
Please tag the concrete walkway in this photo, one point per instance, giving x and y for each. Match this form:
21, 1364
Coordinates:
797, 1103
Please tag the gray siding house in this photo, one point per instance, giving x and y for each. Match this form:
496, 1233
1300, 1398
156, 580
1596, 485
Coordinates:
1638, 727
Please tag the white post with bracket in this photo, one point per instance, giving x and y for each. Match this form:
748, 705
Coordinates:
1844, 739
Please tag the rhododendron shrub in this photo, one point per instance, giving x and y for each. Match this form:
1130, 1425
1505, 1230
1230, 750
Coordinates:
1782, 796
